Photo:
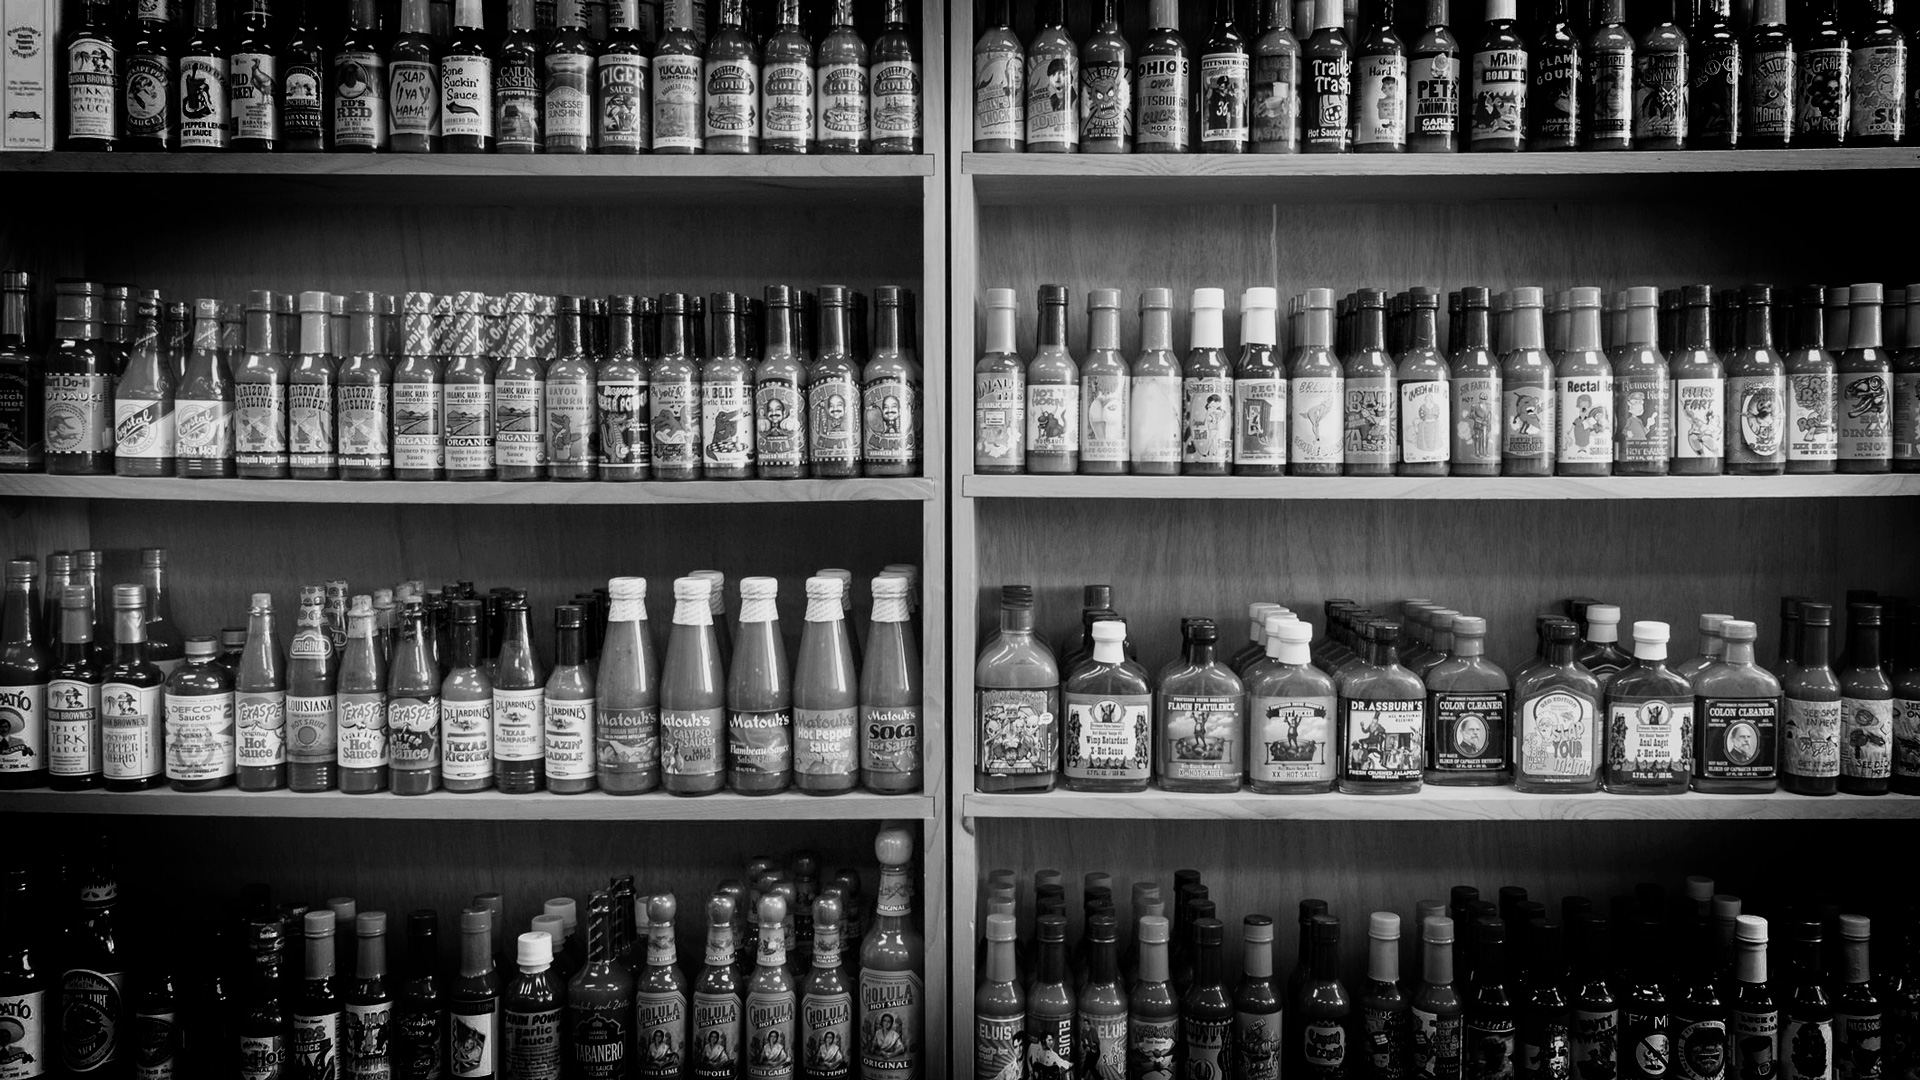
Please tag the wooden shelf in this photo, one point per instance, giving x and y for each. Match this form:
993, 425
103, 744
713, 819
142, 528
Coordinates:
1261, 178
496, 493
1457, 488
480, 178
480, 806
1436, 804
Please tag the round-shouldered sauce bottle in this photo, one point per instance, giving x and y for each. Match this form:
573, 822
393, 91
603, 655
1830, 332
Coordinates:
1649, 712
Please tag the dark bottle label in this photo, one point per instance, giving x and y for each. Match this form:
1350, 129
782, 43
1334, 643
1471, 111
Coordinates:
1050, 1050
314, 1047
300, 96
1754, 1045
359, 100
1386, 1042
1738, 737
1824, 93
516, 105
1546, 1050
1256, 1045
366, 1034
715, 1048
1856, 1046
1209, 1043
1153, 1045
91, 1009
1103, 1044
1489, 1049
1324, 1048
1646, 1050
417, 1042
1806, 1050
1382, 739
1879, 106
1767, 95
660, 1034
532, 1044
149, 97
827, 1025
1596, 1044
1700, 1048
1660, 95
1328, 90
1436, 1045
1553, 97
1469, 730
1610, 72
1716, 92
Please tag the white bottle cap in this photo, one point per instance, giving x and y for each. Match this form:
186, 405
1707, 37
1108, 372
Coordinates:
1750, 928
1603, 613
1108, 630
1209, 299
1002, 298
1649, 631
535, 950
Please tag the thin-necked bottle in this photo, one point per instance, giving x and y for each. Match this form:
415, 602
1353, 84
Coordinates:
1498, 92
1421, 373
1153, 1009
1326, 83
143, 431
78, 376
519, 693
1372, 391
825, 697
204, 123
203, 402
1596, 1008
786, 85
1526, 375
1553, 87
262, 1021
1053, 391
148, 92
1753, 1008
418, 394
1646, 1008
519, 82
731, 85
1714, 82
567, 709
1544, 1035
1866, 382
779, 388
1259, 422
312, 698
1382, 720
363, 396
1293, 1015
716, 1048
999, 81
1490, 1026
1200, 718
1699, 390
1052, 84
1474, 379
1433, 84
1436, 1009
65, 683
253, 93
890, 694
679, 124
1814, 387
1660, 83
1000, 1005
1643, 392
1206, 390
473, 1001
312, 452
1207, 1008
1153, 427
1276, 82
627, 695
894, 91
661, 996
999, 393
1224, 99
833, 390
318, 1013
1109, 702
260, 396
1380, 85
413, 709
132, 720
519, 398
1702, 1031
1383, 1000
1737, 707
1050, 1027
772, 1005
413, 83
891, 389
466, 83
24, 382
1583, 377
357, 92
1290, 711
692, 696
368, 1020
1767, 91
840, 86
1256, 1005
362, 702
567, 70
1324, 1007
572, 429
1105, 380
1162, 111
676, 396
1017, 705
620, 380
1650, 712
1807, 1050
1859, 1014
466, 708
1866, 706
532, 1005
1810, 750
759, 697
826, 999
1467, 699
36, 682
1905, 409
722, 627
1877, 111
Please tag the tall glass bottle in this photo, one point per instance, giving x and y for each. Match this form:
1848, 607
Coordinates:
1206, 391
1437, 1011
1153, 424
1162, 112
413, 708
1421, 373
833, 389
22, 383
1290, 712
999, 80
1767, 90
1383, 1001
1583, 377
203, 402
1326, 84
32, 688
78, 380
315, 1043
890, 389
1200, 725
1650, 721
519, 398
1380, 85
1699, 390
363, 396
1497, 119
679, 79
1382, 719
474, 1002
311, 377
302, 76
890, 693
260, 395
779, 386
368, 1021
786, 85
1050, 1026
64, 688
1016, 705
1814, 385
1257, 1007
1877, 113
532, 1005
312, 687
693, 696
1490, 1026
1052, 84
717, 1049
418, 394
1259, 421
1607, 91
1753, 1021
726, 392
263, 1020
1053, 391
143, 432
1553, 85
1713, 66
466, 708
147, 84
1224, 101
1807, 1014
202, 89
1474, 376
519, 687
1866, 382
841, 124
893, 102
1866, 706
1433, 84
1323, 1005
1000, 1005
519, 84
1660, 84
1109, 702
661, 994
675, 423
567, 78
1105, 93
1526, 374
362, 705
999, 393
413, 83
132, 725
1207, 1008
1810, 751
253, 84
1276, 87
356, 96
260, 703
1643, 393
760, 734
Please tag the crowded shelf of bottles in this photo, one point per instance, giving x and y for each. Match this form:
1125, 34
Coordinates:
482, 493
481, 806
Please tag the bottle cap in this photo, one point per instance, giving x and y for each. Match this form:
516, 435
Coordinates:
472, 921
1208, 930
1855, 927
1001, 928
1384, 630
75, 597
553, 926
1156, 299
1489, 930
1260, 297
370, 924
1711, 624
1371, 299
1583, 296
568, 911
318, 924
1050, 295
1604, 613
1696, 296
1739, 630
1757, 295
128, 597
1441, 620
1726, 906
691, 589
259, 300
1472, 296
1109, 630
893, 847
1699, 888
1053, 927
1318, 300
1256, 929
1383, 926
1103, 299
1209, 299
1289, 630
1652, 632
1814, 613
1526, 296
887, 586
1325, 928
1469, 625
201, 645
1002, 298
759, 588
1866, 293
772, 909
1750, 928
1202, 630
1439, 930
535, 950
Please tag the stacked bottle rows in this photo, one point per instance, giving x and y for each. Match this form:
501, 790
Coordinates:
801, 975
568, 78
1380, 705
1569, 383
1643, 987
1569, 77
464, 386
444, 688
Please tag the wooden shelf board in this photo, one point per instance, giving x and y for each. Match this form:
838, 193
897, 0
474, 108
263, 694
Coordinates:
480, 806
498, 493
1154, 178
1436, 804
1458, 488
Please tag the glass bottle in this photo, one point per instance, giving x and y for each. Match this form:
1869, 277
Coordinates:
1326, 84
311, 389
1475, 383
70, 747
92, 70
203, 402
567, 710
1290, 693
1878, 59
1767, 87
1050, 1027
34, 689
1000, 1005
1650, 720
1702, 1029
413, 708
1858, 1011
890, 693
999, 393
1206, 391
1584, 378
263, 1021
78, 375
1497, 119
302, 72
693, 696
367, 1000
679, 123
1207, 1008
891, 390
1200, 718
22, 382
147, 85
362, 703
731, 85
675, 422
253, 84
316, 1031
518, 89
413, 83
1422, 373
1016, 705
1101, 1012
1153, 421
1109, 703
473, 1001
1807, 1014
1601, 654
1643, 393
1052, 381
759, 697
363, 396
786, 85
418, 402
1276, 82
202, 89
28, 989
92, 969
260, 396
840, 86
132, 741
779, 386
1596, 1009
1259, 420
1557, 738
1906, 382
1436, 1010
1489, 1027
1554, 90
1382, 719
772, 1007
260, 703
519, 398
1383, 1001
572, 429
1224, 113
1372, 395
1660, 84
999, 81
627, 695
1646, 1016
1052, 82
1813, 383
1526, 374
1810, 754
833, 391
1713, 63
893, 104
1699, 390
1736, 711
356, 96
532, 1005
143, 432
1866, 706
567, 76
312, 687
1257, 1008
1105, 382
1380, 85
1753, 1007
1323, 1005
1866, 381
717, 1048
826, 730
1433, 85
466, 708
1607, 93
1467, 699
519, 690
1163, 113
660, 992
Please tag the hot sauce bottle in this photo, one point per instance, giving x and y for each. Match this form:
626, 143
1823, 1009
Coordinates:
1382, 719
1290, 709
1878, 63
466, 708
260, 703
1153, 427
1475, 383
413, 708
620, 386
826, 1002
1650, 721
893, 104
362, 702
1383, 1002
1104, 385
1000, 1004
1052, 81
1756, 392
1259, 391
1017, 704
1324, 1007
202, 89
1436, 1012
1866, 380
1497, 111
1256, 1007
1905, 407
567, 105
1224, 101
78, 382
1426, 427
1737, 709
759, 697
1467, 697
1163, 115
1810, 755
999, 80
660, 995
66, 685
1372, 396
519, 692
572, 430
1433, 85
567, 714
471, 1027
148, 87
1554, 89
1807, 1049
890, 390
1379, 118
1109, 707
1544, 1036
413, 83
1714, 90
692, 696
418, 395
1643, 422
1490, 1028
833, 390
311, 440
1699, 390
1866, 706
1768, 91
1276, 82
519, 74
1200, 722
1206, 391
132, 724
1813, 386
253, 85
467, 83
311, 701
1527, 373
1660, 85
840, 86
356, 96
1753, 1019
1053, 391
1326, 85
143, 432
363, 396
627, 735
1596, 1010
531, 1006
675, 396
890, 749
731, 86
999, 393
1584, 378
260, 396
891, 1007
1050, 1026
825, 696
467, 396
1207, 1012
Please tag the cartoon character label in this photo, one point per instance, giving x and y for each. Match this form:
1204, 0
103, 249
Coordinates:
1558, 736
1906, 744
24, 1018
1651, 739
1201, 737
1586, 420
359, 100
1053, 419
1767, 95
1052, 114
1476, 421
130, 731
1385, 1039
997, 1050
892, 436
1260, 421
1162, 116
889, 739
999, 94
770, 1032
1596, 1037
1104, 421
1223, 97
625, 436
1256, 1046
1372, 420
1434, 84
1289, 740
1109, 736
1383, 739
1806, 1050
676, 424
1380, 101
1328, 92
1738, 737
25, 721
1469, 730
73, 726
145, 92
834, 419
1206, 436
363, 731
203, 102
1754, 410
1879, 92
726, 433
1324, 1049
1499, 105
1528, 423
1436, 1043
999, 420
1659, 95
1424, 423
1866, 738
1489, 1050
1865, 434
1276, 104
200, 736
1812, 746
692, 741
1154, 419
1019, 731
470, 1044
1824, 96
1610, 74
1151, 1047
1103, 1046
1643, 420
1698, 431
1811, 431
252, 81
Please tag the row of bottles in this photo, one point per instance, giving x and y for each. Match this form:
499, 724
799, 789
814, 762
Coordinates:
801, 976
463, 386
1644, 987
1383, 705
1552, 82
588, 81
446, 690
1568, 383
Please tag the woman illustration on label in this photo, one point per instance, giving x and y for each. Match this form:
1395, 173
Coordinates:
1207, 428
1307, 441
1703, 427
714, 1051
670, 429
661, 1055
828, 1054
771, 1051
889, 1041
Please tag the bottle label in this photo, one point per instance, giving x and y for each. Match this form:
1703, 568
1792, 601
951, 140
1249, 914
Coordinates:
413, 732
1256, 1048
840, 91
517, 730
251, 79
519, 422
1380, 101
568, 98
1652, 739
466, 740
203, 102
1738, 737
130, 731
363, 1042
892, 435
25, 721
263, 1057
1553, 100
1857, 1046
1866, 738
676, 423
413, 98
1163, 114
1317, 420
1260, 420
570, 420
597, 1034
1813, 738
1383, 739
716, 1036
1050, 1049
1053, 118
1768, 95
1276, 101
1152, 1046
310, 424
677, 123
569, 737
1824, 92
470, 1045
1019, 731
79, 416
733, 94
828, 1023
1611, 73
692, 741
1586, 419
1812, 434
1106, 102
1386, 1035
894, 103
1224, 98
786, 102
143, 429
532, 1044
1754, 1050
359, 103
1660, 95
363, 417
1806, 1050
1529, 424
1102, 1042
1596, 1043
1879, 105
625, 437
1435, 83
259, 422
203, 430
1436, 1044
824, 741
1053, 419
73, 726
1715, 90
314, 1046
1499, 95
1324, 1048
890, 739
1476, 421
1469, 730
1290, 737
999, 419
1643, 432
92, 85
1329, 94
416, 425
1104, 421
1700, 1049
624, 120
1906, 743
660, 1033
1698, 429
834, 419
890, 1024
1154, 419
419, 1041
1207, 430
300, 102
627, 741
261, 726
1109, 737
517, 90
1906, 417
1865, 434
1424, 424
760, 743
1372, 421
26, 1053
1201, 737
363, 731
997, 1049
999, 93
147, 99
91, 1005
771, 1035
1558, 737
200, 736
779, 424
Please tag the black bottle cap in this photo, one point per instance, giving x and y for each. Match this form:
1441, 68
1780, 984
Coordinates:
1310, 908
1053, 928
1863, 614
1102, 928
1202, 630
1209, 931
779, 296
1696, 296
1053, 294
1489, 930
566, 617
1370, 298
673, 303
466, 611
571, 305
1757, 295
1326, 928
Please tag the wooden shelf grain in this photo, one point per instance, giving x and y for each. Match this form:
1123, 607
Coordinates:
1437, 804
479, 806
1019, 179
1453, 488
495, 492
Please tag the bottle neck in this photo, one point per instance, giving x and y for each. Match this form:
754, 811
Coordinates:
1863, 645
1156, 330
1696, 328
1474, 329
1437, 962
319, 958
1466, 645
1583, 330
476, 954
1103, 330
1525, 328
1423, 329
1370, 330
726, 338
1854, 967
1383, 959
1257, 960
1000, 962
1326, 960
1750, 962
1757, 327
1863, 326
1052, 329
1200, 653
1209, 967
17, 622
